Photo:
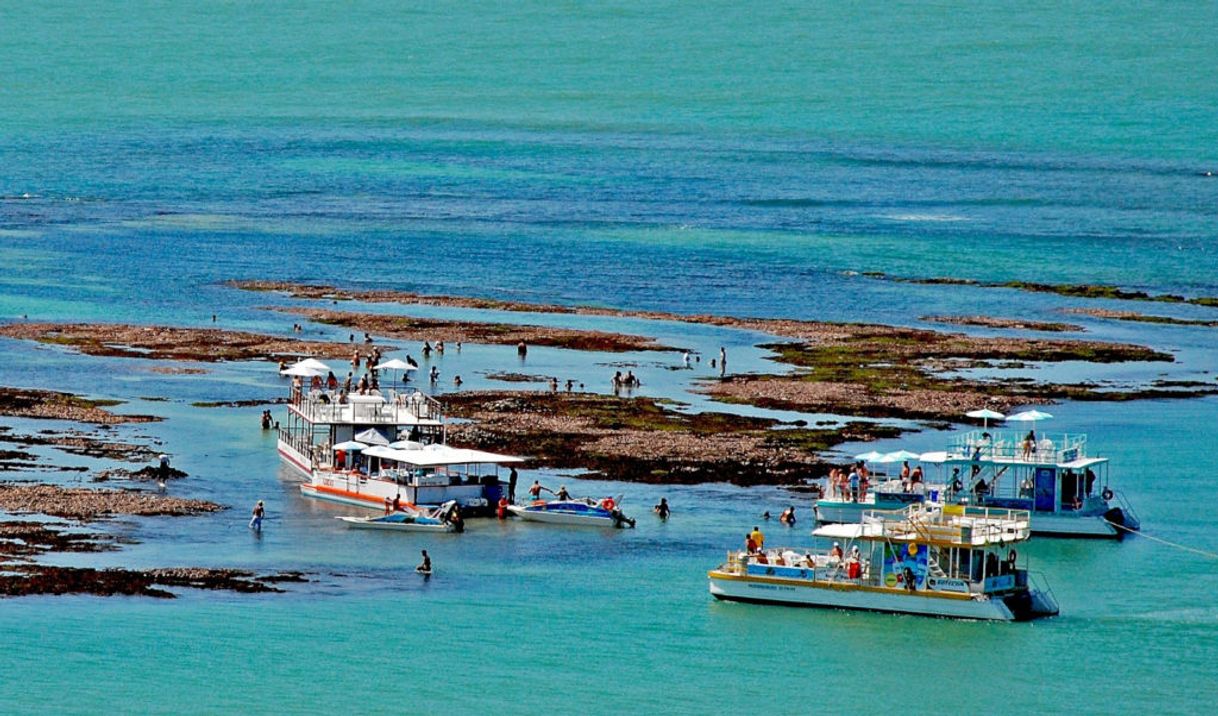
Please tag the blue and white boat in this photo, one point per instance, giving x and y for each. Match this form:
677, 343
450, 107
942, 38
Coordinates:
587, 512
408, 520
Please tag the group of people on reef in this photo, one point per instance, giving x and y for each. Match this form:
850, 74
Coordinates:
628, 381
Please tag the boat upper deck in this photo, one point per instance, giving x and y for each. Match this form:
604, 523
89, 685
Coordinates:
413, 408
947, 526
1013, 446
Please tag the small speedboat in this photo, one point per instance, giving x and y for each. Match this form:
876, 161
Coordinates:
438, 520
595, 513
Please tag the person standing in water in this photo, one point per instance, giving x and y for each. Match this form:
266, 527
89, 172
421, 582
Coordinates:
662, 509
424, 567
256, 520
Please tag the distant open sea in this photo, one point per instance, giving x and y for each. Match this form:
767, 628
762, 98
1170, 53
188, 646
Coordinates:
732, 158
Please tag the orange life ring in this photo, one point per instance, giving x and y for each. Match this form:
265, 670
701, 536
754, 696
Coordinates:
608, 504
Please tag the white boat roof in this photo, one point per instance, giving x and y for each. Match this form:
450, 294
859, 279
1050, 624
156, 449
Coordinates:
848, 531
436, 455
1083, 462
362, 399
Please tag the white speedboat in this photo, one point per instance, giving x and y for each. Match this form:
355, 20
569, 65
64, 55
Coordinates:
409, 520
602, 513
949, 561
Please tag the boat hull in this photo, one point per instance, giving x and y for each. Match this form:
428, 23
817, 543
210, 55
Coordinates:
361, 523
756, 590
560, 518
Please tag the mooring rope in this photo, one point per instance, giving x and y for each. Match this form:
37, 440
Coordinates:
1169, 543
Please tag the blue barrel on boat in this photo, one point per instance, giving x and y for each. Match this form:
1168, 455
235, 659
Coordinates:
934, 495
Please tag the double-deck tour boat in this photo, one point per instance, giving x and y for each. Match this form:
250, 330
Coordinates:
369, 449
944, 561
1053, 477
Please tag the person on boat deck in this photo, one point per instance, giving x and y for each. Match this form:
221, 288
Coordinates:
1029, 444
331, 381
388, 505
750, 544
424, 566
916, 476
662, 508
1090, 481
854, 485
563, 494
397, 503
980, 489
758, 537
956, 485
535, 491
836, 552
905, 474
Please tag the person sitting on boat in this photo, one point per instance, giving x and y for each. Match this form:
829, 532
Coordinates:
835, 554
662, 508
563, 495
980, 489
1076, 504
762, 558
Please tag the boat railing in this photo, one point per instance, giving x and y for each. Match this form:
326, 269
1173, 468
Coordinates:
1012, 445
396, 409
1038, 582
952, 524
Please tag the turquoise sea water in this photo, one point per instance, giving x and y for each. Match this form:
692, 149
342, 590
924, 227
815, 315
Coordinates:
727, 158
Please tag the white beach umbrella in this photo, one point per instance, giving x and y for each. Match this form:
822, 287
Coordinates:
302, 371
372, 437
312, 363
406, 445
986, 415
899, 456
870, 456
350, 446
1028, 416
396, 364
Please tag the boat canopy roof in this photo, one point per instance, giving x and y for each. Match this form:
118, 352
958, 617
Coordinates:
437, 455
366, 399
847, 531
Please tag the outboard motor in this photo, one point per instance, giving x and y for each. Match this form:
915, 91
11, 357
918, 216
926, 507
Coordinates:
1116, 516
620, 519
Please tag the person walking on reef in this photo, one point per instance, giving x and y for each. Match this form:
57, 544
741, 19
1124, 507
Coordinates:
256, 520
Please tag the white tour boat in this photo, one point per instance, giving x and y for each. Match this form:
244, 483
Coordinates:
1065, 489
367, 450
949, 561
